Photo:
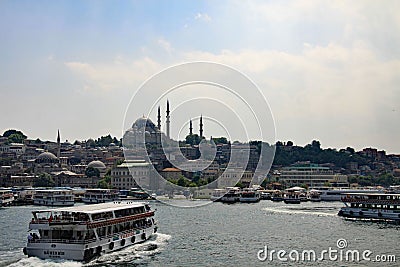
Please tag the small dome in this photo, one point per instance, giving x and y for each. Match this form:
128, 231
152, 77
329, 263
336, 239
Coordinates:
46, 157
97, 164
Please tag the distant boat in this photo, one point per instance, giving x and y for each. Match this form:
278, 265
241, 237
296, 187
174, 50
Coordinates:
291, 198
217, 194
53, 197
6, 197
248, 195
232, 196
335, 194
94, 196
277, 196
314, 195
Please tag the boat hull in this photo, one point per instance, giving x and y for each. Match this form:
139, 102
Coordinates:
291, 201
369, 214
249, 199
88, 251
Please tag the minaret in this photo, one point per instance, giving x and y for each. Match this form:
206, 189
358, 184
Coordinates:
201, 126
190, 128
159, 119
58, 144
167, 121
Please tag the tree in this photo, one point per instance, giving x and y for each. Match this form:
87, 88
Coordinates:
220, 140
92, 172
12, 131
239, 184
193, 139
44, 180
181, 181
90, 143
105, 182
316, 144
14, 136
289, 143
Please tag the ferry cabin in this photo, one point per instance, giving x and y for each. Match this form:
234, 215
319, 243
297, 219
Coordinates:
81, 233
54, 197
100, 196
6, 197
371, 206
249, 196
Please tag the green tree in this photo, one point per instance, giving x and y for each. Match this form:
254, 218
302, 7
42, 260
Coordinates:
181, 181
105, 183
220, 140
12, 131
92, 172
193, 139
239, 184
44, 180
16, 138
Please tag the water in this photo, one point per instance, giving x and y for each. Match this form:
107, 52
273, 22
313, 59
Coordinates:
224, 235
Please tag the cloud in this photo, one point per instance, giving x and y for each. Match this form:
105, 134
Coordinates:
323, 89
116, 75
203, 17
164, 44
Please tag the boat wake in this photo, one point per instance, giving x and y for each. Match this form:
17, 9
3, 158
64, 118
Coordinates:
132, 254
34, 262
316, 211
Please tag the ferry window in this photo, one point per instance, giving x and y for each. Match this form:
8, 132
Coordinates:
379, 206
46, 232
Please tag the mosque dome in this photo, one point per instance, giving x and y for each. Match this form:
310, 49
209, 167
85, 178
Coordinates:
97, 164
144, 122
46, 157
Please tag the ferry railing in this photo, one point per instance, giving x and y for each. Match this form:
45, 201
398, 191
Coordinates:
133, 231
96, 223
65, 241
371, 201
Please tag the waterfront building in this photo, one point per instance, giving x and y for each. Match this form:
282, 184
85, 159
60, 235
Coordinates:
19, 180
171, 173
311, 175
130, 174
231, 176
70, 179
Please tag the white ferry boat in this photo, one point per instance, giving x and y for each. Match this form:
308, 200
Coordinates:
249, 196
53, 197
292, 198
217, 194
371, 206
94, 196
84, 232
6, 197
335, 194
232, 196
314, 195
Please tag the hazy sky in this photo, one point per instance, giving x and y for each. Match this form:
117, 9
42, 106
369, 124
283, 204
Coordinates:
330, 70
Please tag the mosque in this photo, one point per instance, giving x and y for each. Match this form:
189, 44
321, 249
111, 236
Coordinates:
144, 131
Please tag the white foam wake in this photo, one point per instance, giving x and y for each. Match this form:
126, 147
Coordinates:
294, 211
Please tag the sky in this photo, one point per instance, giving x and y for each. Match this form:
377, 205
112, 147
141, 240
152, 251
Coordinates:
329, 70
